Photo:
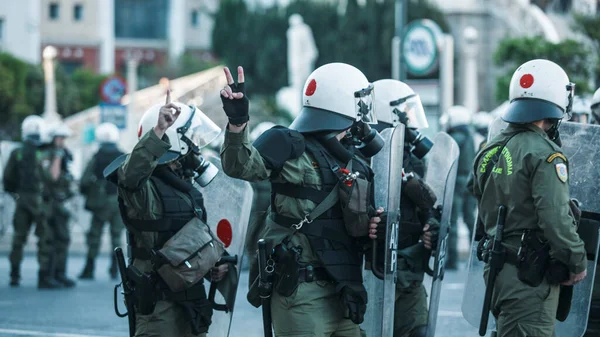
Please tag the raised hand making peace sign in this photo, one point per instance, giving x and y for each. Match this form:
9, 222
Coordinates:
233, 96
166, 116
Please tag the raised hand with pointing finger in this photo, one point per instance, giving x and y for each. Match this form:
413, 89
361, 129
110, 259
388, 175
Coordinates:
166, 116
235, 101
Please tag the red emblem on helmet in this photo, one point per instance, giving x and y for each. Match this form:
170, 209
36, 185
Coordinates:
140, 132
311, 88
526, 81
224, 232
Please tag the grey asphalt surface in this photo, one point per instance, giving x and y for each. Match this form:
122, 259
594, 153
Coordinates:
87, 310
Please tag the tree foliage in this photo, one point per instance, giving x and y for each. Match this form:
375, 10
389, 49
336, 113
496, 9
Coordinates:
571, 55
590, 26
361, 36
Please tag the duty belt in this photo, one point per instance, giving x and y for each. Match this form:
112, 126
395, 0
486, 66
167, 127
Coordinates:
312, 274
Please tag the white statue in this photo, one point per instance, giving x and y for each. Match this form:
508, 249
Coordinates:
302, 51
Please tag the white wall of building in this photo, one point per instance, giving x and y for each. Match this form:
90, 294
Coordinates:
199, 36
106, 32
20, 31
65, 29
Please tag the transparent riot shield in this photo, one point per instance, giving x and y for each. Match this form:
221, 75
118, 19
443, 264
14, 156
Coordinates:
7, 202
228, 202
380, 280
580, 146
442, 161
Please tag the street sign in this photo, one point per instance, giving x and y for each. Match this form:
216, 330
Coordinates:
420, 49
113, 89
114, 113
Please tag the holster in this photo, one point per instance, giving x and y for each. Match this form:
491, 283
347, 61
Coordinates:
287, 268
533, 259
145, 292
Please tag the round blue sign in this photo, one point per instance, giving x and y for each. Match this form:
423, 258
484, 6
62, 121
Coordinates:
113, 89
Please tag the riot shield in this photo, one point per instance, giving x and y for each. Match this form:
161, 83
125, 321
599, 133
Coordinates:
7, 202
381, 289
442, 162
580, 146
228, 203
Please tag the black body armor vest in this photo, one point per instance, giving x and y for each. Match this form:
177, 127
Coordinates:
411, 227
29, 169
105, 155
181, 203
340, 254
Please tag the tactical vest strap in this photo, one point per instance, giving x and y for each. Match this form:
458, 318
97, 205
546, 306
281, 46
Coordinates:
323, 228
299, 192
160, 225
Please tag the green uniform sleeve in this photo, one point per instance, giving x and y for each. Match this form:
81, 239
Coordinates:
551, 201
88, 178
10, 178
240, 159
135, 188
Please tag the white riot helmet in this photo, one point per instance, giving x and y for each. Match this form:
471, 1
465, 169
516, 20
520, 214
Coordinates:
260, 129
396, 102
457, 115
335, 96
481, 121
32, 127
107, 133
539, 89
59, 130
596, 107
581, 111
192, 131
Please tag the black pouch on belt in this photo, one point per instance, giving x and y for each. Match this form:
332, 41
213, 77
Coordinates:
533, 259
287, 269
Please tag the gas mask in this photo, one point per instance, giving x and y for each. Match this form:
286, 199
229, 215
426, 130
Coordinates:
199, 169
419, 144
553, 133
366, 139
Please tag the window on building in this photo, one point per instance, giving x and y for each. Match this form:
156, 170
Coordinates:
141, 19
69, 67
78, 12
195, 18
54, 10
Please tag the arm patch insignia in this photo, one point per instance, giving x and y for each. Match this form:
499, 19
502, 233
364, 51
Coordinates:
556, 155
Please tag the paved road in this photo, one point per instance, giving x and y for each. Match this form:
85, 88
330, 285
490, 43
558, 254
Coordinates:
87, 310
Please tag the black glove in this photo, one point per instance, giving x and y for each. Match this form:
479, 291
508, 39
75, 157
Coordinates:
434, 229
382, 227
356, 301
236, 109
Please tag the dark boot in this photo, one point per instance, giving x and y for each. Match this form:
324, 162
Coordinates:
15, 276
61, 277
113, 270
88, 270
419, 332
45, 281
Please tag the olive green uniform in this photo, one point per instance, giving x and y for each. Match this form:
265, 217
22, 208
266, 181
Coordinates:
30, 206
57, 192
142, 200
531, 180
104, 208
315, 308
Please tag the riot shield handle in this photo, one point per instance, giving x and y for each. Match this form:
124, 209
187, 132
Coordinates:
213, 285
379, 273
496, 264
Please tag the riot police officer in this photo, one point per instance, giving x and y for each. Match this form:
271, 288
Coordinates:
396, 102
25, 175
57, 192
524, 170
459, 120
165, 217
316, 240
581, 111
101, 198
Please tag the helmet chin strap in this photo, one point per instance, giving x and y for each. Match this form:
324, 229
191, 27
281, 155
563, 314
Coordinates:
183, 129
553, 133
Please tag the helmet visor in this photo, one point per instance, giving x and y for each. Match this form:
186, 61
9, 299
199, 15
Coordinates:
409, 110
570, 97
365, 110
203, 130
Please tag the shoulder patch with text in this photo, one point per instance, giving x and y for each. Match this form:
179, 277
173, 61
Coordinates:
561, 172
556, 155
